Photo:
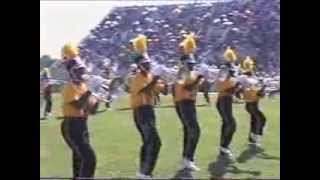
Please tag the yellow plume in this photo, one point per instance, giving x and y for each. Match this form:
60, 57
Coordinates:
230, 55
70, 51
140, 44
189, 45
248, 64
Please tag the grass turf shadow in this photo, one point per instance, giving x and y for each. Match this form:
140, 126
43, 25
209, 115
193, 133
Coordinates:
123, 109
254, 152
183, 174
220, 168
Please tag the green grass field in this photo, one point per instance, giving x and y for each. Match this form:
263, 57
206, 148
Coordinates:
117, 142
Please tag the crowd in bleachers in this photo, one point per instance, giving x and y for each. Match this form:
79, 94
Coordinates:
252, 26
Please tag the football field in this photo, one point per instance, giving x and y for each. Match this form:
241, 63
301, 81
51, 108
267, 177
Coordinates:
117, 142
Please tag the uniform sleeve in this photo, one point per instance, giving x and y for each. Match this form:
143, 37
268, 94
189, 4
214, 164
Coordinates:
69, 94
136, 85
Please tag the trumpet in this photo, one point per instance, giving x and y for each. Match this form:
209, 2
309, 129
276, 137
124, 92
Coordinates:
97, 85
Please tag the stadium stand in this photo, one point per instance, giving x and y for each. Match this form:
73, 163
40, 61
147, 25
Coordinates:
252, 26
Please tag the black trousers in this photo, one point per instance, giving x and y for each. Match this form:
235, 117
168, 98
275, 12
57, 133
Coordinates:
48, 106
76, 135
144, 119
258, 120
187, 114
224, 106
205, 87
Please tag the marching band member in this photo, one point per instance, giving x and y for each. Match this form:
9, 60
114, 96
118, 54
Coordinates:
252, 94
184, 93
77, 104
142, 91
47, 91
226, 86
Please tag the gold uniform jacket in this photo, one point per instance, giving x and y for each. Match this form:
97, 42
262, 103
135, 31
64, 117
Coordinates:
72, 92
139, 82
183, 94
250, 88
225, 87
224, 84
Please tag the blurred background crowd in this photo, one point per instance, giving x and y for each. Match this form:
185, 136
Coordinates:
251, 26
